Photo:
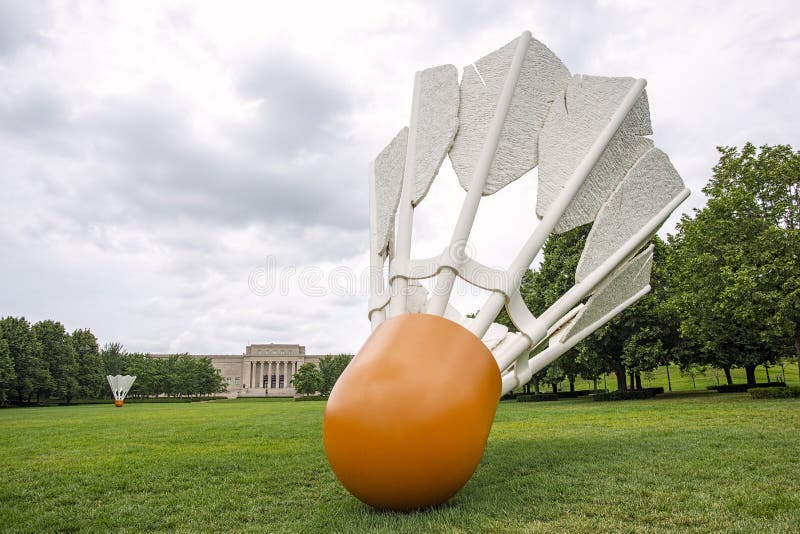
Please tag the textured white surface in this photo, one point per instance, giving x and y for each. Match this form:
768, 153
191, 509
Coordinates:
542, 77
417, 297
650, 185
388, 182
574, 122
120, 385
437, 123
624, 283
496, 333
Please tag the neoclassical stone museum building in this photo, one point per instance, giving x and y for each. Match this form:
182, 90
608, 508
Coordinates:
263, 370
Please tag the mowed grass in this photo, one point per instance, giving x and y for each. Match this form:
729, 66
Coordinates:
675, 463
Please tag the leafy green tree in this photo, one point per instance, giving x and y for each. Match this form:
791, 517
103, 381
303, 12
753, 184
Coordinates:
176, 375
7, 376
90, 377
553, 375
308, 379
694, 371
138, 365
210, 378
58, 353
31, 371
331, 367
736, 262
113, 356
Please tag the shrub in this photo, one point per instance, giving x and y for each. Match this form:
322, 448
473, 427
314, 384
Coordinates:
537, 398
787, 392
311, 398
656, 391
573, 394
631, 394
741, 388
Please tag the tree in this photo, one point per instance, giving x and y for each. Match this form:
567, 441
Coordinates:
308, 379
211, 381
59, 354
736, 262
553, 375
32, 373
113, 356
89, 374
7, 376
331, 367
693, 371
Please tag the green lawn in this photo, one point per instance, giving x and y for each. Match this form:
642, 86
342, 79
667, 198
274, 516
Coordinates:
690, 463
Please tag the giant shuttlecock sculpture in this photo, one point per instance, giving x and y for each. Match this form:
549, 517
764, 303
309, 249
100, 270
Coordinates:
407, 422
120, 386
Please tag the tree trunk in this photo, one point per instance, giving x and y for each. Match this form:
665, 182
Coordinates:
669, 382
766, 368
571, 383
638, 380
536, 385
750, 371
619, 371
728, 376
796, 345
594, 383
555, 387
633, 378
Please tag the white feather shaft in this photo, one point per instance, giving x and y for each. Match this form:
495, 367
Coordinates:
466, 218
405, 210
376, 257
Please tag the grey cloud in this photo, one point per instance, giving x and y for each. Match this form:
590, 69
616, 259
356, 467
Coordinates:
155, 169
22, 23
299, 101
36, 110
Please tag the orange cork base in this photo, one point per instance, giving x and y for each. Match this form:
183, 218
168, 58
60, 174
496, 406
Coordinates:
406, 425
118, 403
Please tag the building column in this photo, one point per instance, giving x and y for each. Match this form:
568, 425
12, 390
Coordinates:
249, 369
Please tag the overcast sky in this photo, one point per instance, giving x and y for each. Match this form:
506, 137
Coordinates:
160, 160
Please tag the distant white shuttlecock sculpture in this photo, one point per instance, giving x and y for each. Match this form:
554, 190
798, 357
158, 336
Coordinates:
406, 424
120, 386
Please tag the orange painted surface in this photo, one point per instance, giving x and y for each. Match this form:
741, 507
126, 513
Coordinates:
407, 422
118, 403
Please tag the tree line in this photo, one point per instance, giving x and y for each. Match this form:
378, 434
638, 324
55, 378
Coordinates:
43, 361
725, 287
311, 379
